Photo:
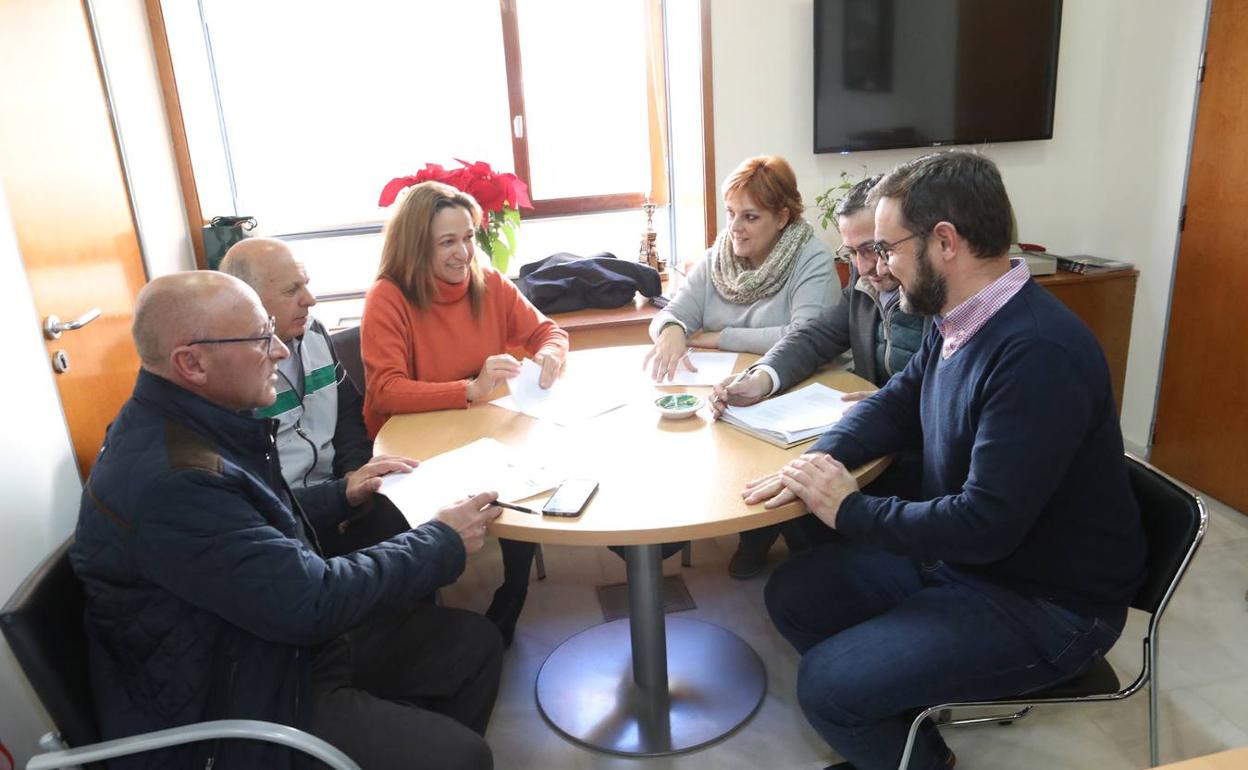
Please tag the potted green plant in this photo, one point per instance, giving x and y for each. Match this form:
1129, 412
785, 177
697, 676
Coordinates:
826, 203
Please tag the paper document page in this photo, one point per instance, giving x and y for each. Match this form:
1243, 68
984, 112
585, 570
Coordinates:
800, 414
713, 367
484, 465
563, 403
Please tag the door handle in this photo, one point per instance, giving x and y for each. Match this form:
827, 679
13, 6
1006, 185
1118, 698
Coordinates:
53, 326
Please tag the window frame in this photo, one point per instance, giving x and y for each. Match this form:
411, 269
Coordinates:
656, 96
656, 101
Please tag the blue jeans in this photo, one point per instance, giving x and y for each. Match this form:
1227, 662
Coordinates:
883, 636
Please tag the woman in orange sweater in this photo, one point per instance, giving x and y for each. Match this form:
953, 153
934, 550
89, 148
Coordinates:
435, 334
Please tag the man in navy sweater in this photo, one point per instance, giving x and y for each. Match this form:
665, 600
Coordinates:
1015, 569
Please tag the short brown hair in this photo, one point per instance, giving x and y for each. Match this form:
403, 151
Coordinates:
768, 180
959, 187
407, 253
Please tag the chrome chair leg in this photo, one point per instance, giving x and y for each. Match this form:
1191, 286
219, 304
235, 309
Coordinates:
910, 736
1001, 719
1154, 701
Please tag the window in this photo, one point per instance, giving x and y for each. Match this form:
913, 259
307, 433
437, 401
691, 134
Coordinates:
298, 112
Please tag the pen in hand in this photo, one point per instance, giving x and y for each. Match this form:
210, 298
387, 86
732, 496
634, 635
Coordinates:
513, 507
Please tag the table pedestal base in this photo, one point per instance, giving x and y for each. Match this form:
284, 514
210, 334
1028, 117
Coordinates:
586, 689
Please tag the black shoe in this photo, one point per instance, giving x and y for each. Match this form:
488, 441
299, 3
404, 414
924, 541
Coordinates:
750, 557
504, 611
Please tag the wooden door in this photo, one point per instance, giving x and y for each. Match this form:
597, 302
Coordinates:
1202, 413
61, 170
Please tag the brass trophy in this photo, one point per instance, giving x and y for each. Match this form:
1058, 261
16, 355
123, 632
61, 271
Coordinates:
649, 252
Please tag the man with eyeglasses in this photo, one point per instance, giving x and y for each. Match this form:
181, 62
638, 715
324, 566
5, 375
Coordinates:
319, 411
207, 593
1013, 569
868, 321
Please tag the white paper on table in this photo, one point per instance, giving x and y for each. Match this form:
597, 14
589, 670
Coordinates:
809, 407
713, 367
560, 404
484, 465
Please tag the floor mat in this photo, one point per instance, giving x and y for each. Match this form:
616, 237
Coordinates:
614, 598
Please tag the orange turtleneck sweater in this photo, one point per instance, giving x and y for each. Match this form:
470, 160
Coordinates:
421, 361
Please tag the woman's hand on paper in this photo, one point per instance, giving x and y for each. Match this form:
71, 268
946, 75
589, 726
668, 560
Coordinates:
469, 518
363, 482
820, 482
740, 390
856, 395
493, 371
669, 352
552, 368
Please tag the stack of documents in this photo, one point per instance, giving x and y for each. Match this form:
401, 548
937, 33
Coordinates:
790, 419
485, 465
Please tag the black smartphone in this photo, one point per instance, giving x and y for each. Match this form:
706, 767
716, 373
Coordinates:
570, 498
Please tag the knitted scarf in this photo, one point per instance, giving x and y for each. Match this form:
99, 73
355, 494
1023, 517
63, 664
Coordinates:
738, 283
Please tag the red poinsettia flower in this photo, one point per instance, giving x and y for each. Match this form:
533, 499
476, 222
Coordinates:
491, 190
501, 196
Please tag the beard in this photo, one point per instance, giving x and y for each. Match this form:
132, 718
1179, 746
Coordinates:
930, 290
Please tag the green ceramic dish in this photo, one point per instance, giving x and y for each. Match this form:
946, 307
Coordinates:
677, 405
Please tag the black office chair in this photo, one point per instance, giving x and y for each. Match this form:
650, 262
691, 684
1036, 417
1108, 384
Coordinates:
347, 348
1174, 524
43, 623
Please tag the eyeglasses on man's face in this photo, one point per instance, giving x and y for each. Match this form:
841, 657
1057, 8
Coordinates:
861, 251
885, 250
270, 329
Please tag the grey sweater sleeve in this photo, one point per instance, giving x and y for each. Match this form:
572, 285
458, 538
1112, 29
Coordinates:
810, 288
688, 307
810, 345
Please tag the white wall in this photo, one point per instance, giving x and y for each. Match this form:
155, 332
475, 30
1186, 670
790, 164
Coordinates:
37, 473
1109, 183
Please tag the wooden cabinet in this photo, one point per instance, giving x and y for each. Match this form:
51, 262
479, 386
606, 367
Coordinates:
1103, 301
592, 328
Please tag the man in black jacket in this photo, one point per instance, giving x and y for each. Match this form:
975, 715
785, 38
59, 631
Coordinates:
208, 596
320, 425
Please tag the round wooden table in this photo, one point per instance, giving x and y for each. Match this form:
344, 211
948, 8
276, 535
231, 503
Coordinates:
640, 686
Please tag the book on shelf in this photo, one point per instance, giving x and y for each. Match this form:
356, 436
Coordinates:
791, 419
1084, 263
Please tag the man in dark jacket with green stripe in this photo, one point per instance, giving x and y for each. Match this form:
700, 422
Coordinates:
207, 596
868, 321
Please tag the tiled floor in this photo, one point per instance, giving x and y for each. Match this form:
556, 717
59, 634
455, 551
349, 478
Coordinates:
1203, 670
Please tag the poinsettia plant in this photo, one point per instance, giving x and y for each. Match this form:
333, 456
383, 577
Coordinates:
501, 197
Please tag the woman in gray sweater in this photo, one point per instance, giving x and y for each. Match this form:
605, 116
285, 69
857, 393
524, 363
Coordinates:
766, 272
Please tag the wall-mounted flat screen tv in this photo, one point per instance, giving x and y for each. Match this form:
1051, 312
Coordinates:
918, 73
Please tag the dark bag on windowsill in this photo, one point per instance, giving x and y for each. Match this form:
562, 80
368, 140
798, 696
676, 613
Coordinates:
222, 233
565, 282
